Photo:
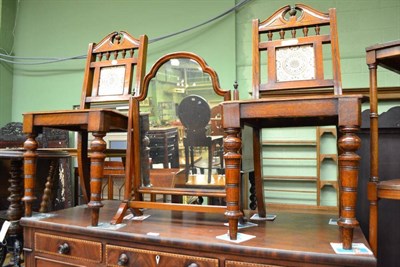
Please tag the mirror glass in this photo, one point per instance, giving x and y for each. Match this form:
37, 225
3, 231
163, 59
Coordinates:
179, 97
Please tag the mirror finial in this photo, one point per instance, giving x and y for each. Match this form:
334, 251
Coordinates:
236, 91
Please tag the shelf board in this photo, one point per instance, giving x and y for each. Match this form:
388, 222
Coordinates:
290, 143
291, 191
280, 158
289, 178
334, 157
332, 183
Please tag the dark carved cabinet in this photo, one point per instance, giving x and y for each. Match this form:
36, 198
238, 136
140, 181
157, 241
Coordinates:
164, 146
11, 136
54, 174
389, 211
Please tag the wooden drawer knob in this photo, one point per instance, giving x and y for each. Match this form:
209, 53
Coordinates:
64, 248
123, 260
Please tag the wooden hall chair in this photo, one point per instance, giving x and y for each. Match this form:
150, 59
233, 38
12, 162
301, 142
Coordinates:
386, 55
114, 71
195, 114
293, 90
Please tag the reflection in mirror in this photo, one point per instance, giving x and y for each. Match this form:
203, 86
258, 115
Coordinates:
177, 95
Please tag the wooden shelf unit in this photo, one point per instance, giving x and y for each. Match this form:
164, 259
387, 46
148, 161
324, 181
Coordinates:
298, 166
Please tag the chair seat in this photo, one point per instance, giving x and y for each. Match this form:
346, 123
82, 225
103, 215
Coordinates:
269, 98
76, 120
390, 184
389, 189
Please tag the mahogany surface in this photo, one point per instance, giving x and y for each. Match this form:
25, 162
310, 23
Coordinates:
386, 55
293, 239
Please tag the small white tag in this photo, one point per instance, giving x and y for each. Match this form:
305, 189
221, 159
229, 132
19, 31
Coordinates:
140, 218
4, 230
357, 249
158, 259
268, 217
240, 237
153, 234
114, 62
333, 221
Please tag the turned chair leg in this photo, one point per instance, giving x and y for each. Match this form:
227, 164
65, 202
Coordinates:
98, 146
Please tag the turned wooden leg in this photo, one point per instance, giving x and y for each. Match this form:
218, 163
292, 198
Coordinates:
232, 145
374, 156
186, 151
30, 160
373, 216
349, 142
210, 161
47, 194
252, 191
98, 146
258, 180
144, 160
15, 209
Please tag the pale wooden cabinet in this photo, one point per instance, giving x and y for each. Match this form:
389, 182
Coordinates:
300, 167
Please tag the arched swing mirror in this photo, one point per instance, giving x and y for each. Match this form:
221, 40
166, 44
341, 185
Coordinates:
179, 94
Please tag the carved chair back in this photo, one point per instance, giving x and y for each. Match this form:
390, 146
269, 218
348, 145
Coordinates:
294, 39
194, 113
115, 69
216, 121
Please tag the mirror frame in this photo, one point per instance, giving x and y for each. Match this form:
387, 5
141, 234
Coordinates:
226, 94
134, 168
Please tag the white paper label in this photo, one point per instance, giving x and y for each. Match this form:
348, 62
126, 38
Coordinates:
4, 230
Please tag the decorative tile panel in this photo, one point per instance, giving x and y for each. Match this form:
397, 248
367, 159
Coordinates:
112, 80
295, 63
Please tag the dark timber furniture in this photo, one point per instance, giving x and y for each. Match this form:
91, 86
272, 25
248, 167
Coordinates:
16, 209
109, 75
176, 238
53, 168
164, 146
135, 201
294, 64
386, 55
389, 210
195, 114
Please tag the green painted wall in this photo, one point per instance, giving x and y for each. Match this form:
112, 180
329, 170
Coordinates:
7, 17
361, 23
63, 28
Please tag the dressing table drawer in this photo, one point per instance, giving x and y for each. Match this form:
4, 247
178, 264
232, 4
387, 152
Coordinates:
248, 264
124, 256
71, 248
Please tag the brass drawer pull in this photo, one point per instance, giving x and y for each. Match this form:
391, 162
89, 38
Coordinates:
64, 248
123, 260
